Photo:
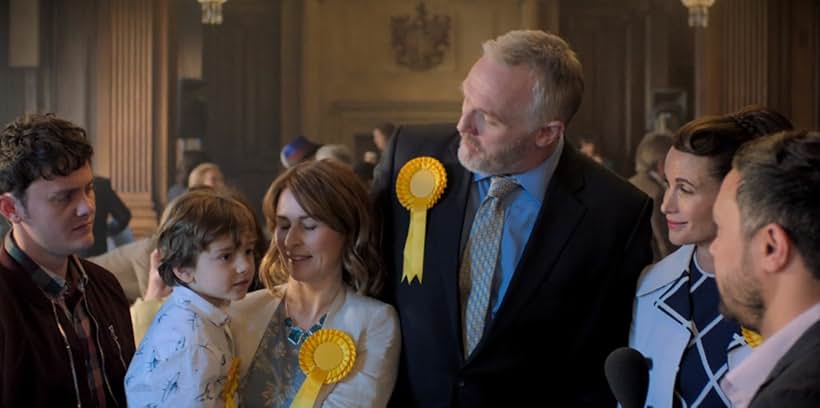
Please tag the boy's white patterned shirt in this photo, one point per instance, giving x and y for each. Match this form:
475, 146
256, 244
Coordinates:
184, 358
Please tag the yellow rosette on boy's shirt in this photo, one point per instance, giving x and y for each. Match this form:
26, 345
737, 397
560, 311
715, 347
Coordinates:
326, 357
419, 185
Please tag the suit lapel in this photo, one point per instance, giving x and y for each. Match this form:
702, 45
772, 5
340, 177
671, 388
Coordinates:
444, 222
557, 220
807, 344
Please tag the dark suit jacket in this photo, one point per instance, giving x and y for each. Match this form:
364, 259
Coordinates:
569, 303
795, 380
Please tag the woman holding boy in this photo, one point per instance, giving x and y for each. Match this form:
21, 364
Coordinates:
319, 270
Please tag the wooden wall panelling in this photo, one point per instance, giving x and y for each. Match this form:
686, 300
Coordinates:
730, 55
25, 30
610, 43
763, 52
312, 74
70, 54
750, 72
241, 69
707, 93
292, 27
188, 28
11, 101
551, 15
779, 53
668, 63
804, 87
530, 14
24, 33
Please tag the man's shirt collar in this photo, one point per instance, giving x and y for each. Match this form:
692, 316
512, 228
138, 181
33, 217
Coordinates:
536, 180
52, 284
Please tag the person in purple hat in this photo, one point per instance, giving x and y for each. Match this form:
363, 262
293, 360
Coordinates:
298, 150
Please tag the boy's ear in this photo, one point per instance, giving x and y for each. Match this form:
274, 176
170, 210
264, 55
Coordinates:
184, 273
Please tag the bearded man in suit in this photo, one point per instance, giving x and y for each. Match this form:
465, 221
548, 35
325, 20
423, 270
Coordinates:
767, 268
531, 252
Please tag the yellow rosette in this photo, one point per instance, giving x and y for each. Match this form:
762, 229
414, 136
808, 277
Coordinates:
753, 339
325, 357
419, 185
231, 385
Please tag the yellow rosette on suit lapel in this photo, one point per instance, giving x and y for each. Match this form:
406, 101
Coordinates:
419, 185
325, 357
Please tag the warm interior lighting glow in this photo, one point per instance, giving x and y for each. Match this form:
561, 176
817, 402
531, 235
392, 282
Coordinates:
698, 11
211, 11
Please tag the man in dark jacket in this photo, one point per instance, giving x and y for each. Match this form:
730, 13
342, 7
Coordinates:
768, 268
525, 236
65, 329
108, 205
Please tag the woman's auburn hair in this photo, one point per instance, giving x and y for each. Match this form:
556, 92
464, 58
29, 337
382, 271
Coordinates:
331, 193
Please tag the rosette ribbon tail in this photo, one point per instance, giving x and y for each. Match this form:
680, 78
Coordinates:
414, 247
231, 385
309, 391
419, 185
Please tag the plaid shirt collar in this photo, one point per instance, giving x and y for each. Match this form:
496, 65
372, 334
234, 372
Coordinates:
54, 286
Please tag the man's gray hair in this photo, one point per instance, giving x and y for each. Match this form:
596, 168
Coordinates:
558, 79
780, 183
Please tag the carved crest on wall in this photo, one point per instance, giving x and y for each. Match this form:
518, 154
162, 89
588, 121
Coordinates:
420, 41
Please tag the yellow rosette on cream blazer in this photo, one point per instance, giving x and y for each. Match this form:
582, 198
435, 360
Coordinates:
326, 357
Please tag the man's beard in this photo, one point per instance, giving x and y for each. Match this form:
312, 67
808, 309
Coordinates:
754, 313
748, 306
476, 159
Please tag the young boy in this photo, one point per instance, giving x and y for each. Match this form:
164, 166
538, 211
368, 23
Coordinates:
206, 242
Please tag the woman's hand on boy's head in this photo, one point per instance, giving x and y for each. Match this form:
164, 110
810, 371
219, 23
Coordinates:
157, 289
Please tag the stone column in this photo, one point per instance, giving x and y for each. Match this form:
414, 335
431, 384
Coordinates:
131, 103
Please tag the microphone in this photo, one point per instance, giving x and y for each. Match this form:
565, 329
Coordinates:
627, 372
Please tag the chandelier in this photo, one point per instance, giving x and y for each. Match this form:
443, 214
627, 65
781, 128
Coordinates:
698, 11
211, 11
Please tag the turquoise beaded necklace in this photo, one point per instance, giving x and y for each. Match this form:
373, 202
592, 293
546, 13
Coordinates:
295, 333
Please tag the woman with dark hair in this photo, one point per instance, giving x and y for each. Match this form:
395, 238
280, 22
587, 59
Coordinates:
677, 323
320, 269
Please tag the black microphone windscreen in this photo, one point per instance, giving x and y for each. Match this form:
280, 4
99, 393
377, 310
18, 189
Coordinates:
627, 372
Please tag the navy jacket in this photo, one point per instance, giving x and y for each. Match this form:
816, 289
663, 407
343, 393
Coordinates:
568, 305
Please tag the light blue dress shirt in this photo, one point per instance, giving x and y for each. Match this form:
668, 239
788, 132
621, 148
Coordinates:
521, 210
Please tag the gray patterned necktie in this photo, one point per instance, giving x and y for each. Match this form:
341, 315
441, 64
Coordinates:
480, 258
